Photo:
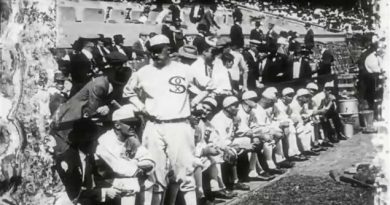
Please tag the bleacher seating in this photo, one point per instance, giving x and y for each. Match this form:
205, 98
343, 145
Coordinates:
67, 13
135, 15
93, 15
117, 16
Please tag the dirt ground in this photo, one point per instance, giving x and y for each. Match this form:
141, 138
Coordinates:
309, 182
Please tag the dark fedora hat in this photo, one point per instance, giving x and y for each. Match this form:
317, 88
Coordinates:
118, 38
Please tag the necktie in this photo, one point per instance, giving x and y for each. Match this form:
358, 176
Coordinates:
88, 172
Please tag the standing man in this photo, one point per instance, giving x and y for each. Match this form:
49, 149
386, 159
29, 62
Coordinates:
251, 58
256, 33
271, 37
309, 37
208, 18
160, 91
236, 34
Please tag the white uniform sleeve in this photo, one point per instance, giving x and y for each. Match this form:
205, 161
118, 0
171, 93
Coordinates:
119, 165
132, 91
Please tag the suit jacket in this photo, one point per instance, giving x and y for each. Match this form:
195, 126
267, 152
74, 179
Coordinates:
309, 39
326, 63
200, 43
276, 69
80, 68
127, 49
92, 96
236, 36
99, 57
139, 49
69, 168
271, 38
253, 69
257, 35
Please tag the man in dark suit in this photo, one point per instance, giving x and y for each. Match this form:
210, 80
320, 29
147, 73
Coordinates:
301, 69
256, 33
309, 37
271, 37
251, 59
324, 66
276, 67
199, 41
100, 53
236, 34
139, 46
82, 67
126, 50
77, 169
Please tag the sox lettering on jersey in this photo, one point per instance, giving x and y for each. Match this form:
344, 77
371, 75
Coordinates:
178, 84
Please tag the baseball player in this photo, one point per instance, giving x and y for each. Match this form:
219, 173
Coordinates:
271, 132
282, 115
160, 91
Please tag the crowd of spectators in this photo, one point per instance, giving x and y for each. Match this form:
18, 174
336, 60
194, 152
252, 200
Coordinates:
199, 120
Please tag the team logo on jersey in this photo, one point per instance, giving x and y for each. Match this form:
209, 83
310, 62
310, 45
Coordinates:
178, 84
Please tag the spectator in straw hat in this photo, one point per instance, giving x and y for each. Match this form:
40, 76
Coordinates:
188, 54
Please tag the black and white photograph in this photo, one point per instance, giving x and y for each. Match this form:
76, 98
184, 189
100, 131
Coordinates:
194, 102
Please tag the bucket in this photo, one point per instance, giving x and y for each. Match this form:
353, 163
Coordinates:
348, 106
348, 130
366, 118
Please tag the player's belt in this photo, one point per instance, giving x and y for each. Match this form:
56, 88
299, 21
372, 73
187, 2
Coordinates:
168, 121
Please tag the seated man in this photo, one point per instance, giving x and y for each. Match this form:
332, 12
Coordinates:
302, 122
225, 123
331, 121
124, 158
271, 131
281, 115
77, 170
248, 136
211, 186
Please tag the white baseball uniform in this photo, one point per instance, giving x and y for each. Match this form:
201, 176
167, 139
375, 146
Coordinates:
163, 93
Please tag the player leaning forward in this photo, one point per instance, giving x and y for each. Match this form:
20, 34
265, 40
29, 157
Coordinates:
160, 91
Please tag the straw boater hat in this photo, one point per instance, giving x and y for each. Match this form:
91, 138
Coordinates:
189, 52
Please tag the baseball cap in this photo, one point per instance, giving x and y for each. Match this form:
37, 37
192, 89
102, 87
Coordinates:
229, 101
269, 93
312, 86
302, 92
126, 112
249, 95
287, 91
210, 101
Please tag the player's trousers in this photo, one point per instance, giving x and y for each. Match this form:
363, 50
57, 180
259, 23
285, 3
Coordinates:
172, 147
